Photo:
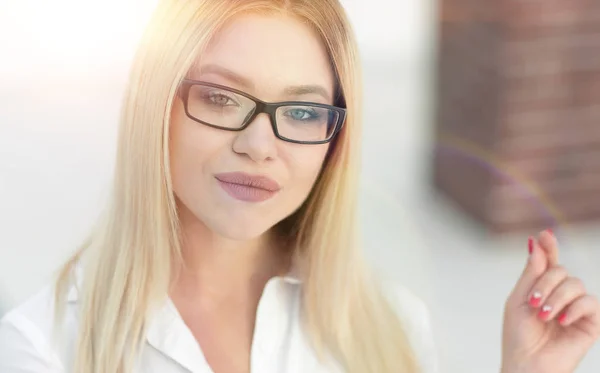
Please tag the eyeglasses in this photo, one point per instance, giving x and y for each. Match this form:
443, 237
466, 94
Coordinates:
229, 109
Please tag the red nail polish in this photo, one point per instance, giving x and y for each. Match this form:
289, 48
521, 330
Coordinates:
530, 245
535, 299
562, 318
545, 312
549, 230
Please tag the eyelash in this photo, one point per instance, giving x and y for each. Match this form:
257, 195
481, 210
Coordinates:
211, 97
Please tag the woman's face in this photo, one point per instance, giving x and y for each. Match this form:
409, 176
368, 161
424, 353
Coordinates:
268, 57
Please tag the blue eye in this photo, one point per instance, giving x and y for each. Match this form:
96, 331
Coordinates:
301, 114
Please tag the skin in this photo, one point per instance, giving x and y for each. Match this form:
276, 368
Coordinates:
228, 249
227, 246
535, 342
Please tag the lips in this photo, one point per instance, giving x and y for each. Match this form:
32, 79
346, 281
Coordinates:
248, 188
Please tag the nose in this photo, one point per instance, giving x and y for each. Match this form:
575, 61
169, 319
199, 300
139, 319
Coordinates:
257, 141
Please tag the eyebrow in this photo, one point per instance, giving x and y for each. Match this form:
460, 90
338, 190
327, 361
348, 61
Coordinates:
307, 90
246, 83
227, 74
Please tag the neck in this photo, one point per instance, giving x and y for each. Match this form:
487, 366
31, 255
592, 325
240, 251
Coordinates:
223, 269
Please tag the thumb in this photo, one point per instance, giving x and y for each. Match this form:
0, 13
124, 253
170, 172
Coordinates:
536, 266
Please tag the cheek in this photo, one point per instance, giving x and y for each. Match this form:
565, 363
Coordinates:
305, 166
185, 155
191, 148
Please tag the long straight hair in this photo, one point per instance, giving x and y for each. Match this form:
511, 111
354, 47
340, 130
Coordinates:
130, 256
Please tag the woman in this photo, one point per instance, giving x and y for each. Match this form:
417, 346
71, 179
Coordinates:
229, 244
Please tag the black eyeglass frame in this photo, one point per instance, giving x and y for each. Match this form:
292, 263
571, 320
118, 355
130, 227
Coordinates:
269, 108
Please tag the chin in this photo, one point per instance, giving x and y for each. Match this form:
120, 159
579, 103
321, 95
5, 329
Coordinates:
243, 234
239, 229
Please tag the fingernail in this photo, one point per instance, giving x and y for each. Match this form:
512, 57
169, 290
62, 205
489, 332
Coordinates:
535, 299
545, 312
549, 230
530, 245
563, 318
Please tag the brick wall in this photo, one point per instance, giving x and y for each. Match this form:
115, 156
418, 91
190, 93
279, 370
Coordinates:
519, 82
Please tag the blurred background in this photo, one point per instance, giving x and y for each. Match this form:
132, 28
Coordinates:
481, 128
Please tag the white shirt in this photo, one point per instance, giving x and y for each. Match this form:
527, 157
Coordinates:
280, 345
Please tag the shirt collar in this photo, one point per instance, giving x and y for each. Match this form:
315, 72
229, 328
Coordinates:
166, 330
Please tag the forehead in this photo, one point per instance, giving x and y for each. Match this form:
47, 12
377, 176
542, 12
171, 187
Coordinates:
272, 52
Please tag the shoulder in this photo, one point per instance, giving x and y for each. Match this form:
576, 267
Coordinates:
416, 319
26, 336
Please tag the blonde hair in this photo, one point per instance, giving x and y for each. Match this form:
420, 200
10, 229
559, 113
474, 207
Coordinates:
134, 249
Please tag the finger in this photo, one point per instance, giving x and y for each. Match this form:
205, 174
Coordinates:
566, 293
586, 306
549, 243
545, 285
535, 268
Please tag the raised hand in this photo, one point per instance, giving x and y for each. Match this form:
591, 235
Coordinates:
550, 322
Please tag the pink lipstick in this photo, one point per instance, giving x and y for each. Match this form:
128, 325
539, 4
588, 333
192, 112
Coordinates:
248, 188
